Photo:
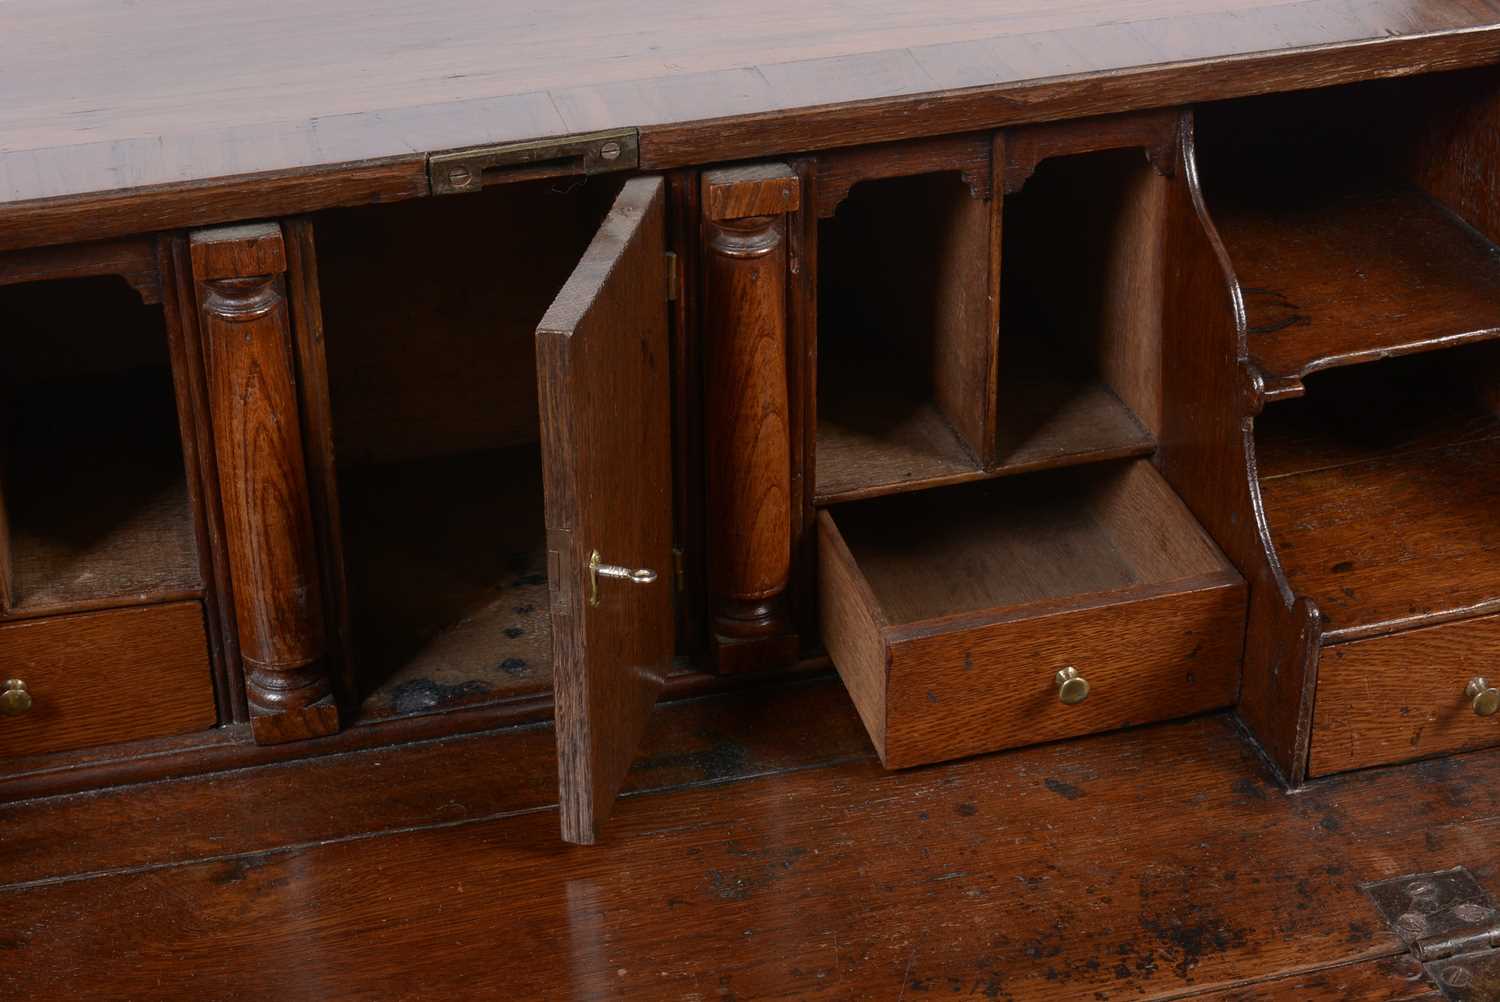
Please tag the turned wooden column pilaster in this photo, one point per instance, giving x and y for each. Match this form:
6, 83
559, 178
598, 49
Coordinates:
747, 429
238, 272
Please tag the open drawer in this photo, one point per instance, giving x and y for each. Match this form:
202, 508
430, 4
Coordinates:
954, 616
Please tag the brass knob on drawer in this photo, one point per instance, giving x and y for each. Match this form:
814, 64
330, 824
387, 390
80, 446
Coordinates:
1072, 688
14, 699
1485, 696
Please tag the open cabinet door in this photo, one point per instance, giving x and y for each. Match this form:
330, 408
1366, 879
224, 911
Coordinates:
603, 374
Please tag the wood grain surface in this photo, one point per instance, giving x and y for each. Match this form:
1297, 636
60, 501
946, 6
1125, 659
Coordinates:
105, 95
948, 614
1037, 875
1360, 276
103, 677
239, 275
604, 387
1390, 699
1392, 543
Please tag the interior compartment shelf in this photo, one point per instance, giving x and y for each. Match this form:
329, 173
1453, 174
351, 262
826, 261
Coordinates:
433, 406
1053, 415
1336, 278
1380, 488
905, 337
875, 435
95, 499
904, 401
448, 579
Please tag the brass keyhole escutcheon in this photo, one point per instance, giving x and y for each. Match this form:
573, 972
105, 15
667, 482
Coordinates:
14, 698
1485, 696
1072, 688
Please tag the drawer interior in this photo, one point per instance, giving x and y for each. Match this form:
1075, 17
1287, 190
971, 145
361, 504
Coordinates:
1065, 535
949, 613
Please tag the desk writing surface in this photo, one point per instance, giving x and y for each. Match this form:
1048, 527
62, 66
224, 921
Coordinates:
105, 95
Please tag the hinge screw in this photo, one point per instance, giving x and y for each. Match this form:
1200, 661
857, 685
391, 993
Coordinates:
1411, 925
459, 176
609, 151
1472, 913
1458, 977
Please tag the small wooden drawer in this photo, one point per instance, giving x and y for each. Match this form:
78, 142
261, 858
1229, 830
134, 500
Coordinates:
950, 613
1400, 697
102, 677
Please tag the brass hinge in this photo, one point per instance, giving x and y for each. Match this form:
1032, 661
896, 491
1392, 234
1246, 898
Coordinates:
674, 279
470, 169
1450, 925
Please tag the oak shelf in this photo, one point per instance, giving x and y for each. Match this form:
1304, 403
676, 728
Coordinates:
1336, 279
1379, 486
95, 500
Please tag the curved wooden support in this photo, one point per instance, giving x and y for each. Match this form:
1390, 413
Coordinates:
1211, 394
747, 428
1027, 146
238, 272
970, 155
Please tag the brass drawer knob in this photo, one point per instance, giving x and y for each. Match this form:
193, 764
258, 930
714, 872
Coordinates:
14, 699
1485, 696
1072, 688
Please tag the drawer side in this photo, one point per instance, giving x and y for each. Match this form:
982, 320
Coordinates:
853, 629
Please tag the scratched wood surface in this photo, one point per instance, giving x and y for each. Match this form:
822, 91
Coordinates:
792, 867
109, 94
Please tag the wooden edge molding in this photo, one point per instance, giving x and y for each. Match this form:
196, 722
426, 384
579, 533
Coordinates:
128, 211
840, 170
910, 116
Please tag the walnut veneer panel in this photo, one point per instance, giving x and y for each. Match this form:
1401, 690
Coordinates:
104, 95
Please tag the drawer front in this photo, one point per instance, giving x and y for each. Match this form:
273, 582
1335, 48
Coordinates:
1392, 699
103, 677
991, 686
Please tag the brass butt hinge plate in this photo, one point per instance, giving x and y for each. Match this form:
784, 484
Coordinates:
458, 171
1450, 925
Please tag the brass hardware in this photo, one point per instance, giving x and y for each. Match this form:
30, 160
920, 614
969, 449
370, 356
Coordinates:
598, 569
679, 567
1447, 921
1485, 696
589, 153
1072, 688
14, 698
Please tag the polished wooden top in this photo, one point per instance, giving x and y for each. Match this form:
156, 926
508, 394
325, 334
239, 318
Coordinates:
111, 95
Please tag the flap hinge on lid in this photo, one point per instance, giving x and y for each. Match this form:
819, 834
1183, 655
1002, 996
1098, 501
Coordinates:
1450, 925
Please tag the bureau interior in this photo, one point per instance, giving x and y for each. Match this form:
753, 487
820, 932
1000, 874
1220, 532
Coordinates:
430, 310
961, 338
1355, 220
904, 335
95, 497
1080, 312
1380, 489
